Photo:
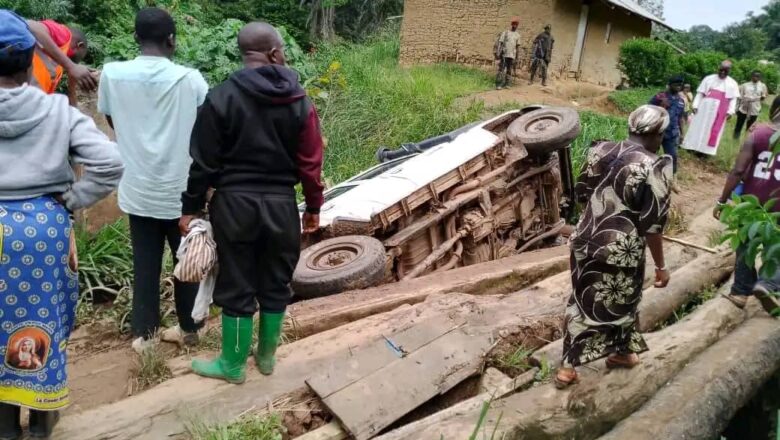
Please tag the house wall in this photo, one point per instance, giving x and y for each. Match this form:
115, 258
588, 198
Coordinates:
464, 31
600, 58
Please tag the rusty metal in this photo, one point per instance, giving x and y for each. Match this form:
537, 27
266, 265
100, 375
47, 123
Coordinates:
555, 230
436, 254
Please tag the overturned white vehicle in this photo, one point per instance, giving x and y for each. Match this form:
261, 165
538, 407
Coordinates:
482, 192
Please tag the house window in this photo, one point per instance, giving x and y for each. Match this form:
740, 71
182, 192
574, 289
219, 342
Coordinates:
609, 33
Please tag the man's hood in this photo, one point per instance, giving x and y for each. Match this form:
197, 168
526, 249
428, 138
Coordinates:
272, 83
21, 110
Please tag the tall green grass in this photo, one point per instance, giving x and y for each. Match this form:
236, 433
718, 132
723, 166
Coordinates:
596, 126
384, 104
627, 101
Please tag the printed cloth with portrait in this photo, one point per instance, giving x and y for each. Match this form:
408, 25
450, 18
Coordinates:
627, 191
38, 296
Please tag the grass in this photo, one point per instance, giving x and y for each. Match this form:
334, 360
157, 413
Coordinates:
688, 308
676, 222
255, 427
627, 101
515, 362
595, 126
383, 104
106, 277
150, 370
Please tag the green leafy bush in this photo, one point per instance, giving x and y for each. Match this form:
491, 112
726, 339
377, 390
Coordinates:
40, 9
755, 225
646, 62
743, 69
695, 66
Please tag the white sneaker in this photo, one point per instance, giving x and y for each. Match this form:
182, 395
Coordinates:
140, 345
176, 335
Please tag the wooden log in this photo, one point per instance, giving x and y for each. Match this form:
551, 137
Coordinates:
602, 398
472, 404
658, 305
699, 402
331, 431
535, 314
154, 414
492, 278
492, 379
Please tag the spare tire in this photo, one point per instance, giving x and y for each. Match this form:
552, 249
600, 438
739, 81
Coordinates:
545, 130
339, 264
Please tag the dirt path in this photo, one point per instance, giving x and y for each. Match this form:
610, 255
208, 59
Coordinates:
562, 93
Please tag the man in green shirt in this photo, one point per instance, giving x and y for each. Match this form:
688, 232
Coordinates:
506, 49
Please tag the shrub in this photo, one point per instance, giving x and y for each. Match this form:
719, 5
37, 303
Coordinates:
696, 65
743, 69
646, 62
40, 9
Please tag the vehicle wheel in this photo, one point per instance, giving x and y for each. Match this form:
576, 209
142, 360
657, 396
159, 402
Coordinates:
545, 130
339, 264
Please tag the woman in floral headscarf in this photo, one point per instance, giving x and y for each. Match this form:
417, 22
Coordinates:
627, 191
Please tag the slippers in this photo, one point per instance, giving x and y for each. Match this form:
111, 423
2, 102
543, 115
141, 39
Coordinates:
565, 377
622, 361
738, 300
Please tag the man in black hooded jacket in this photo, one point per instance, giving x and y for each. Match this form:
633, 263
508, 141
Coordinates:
256, 136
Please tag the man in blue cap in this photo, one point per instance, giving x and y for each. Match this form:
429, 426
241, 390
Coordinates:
672, 100
39, 135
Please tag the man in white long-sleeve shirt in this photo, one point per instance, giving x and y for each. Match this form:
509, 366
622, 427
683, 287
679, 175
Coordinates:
715, 102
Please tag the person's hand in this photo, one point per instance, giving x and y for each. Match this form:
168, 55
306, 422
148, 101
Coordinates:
83, 76
693, 111
184, 224
73, 255
661, 278
310, 223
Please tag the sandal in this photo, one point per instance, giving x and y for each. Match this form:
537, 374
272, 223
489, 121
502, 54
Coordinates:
769, 301
565, 377
738, 300
629, 361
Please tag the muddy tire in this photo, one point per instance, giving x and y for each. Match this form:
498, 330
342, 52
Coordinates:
546, 130
339, 264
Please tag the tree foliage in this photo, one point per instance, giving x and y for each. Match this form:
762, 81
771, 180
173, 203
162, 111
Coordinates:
645, 62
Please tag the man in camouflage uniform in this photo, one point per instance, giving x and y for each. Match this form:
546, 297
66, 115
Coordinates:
542, 53
506, 50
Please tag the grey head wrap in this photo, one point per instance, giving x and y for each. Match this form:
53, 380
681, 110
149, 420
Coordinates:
648, 119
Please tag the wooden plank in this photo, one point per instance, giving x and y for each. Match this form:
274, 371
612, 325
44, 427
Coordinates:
354, 365
331, 431
373, 403
492, 379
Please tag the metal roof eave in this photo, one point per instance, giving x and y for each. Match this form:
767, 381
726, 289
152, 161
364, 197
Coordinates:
633, 8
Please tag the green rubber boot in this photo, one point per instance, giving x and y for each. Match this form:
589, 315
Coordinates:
270, 332
236, 343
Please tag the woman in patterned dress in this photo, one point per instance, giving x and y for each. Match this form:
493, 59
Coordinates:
627, 190
39, 133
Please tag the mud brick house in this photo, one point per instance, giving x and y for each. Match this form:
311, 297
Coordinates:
588, 33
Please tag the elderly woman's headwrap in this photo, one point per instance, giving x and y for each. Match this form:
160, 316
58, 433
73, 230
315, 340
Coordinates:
648, 119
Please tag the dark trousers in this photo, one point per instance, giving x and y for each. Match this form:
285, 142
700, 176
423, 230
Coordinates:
746, 277
670, 145
258, 239
504, 71
148, 237
741, 118
539, 64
